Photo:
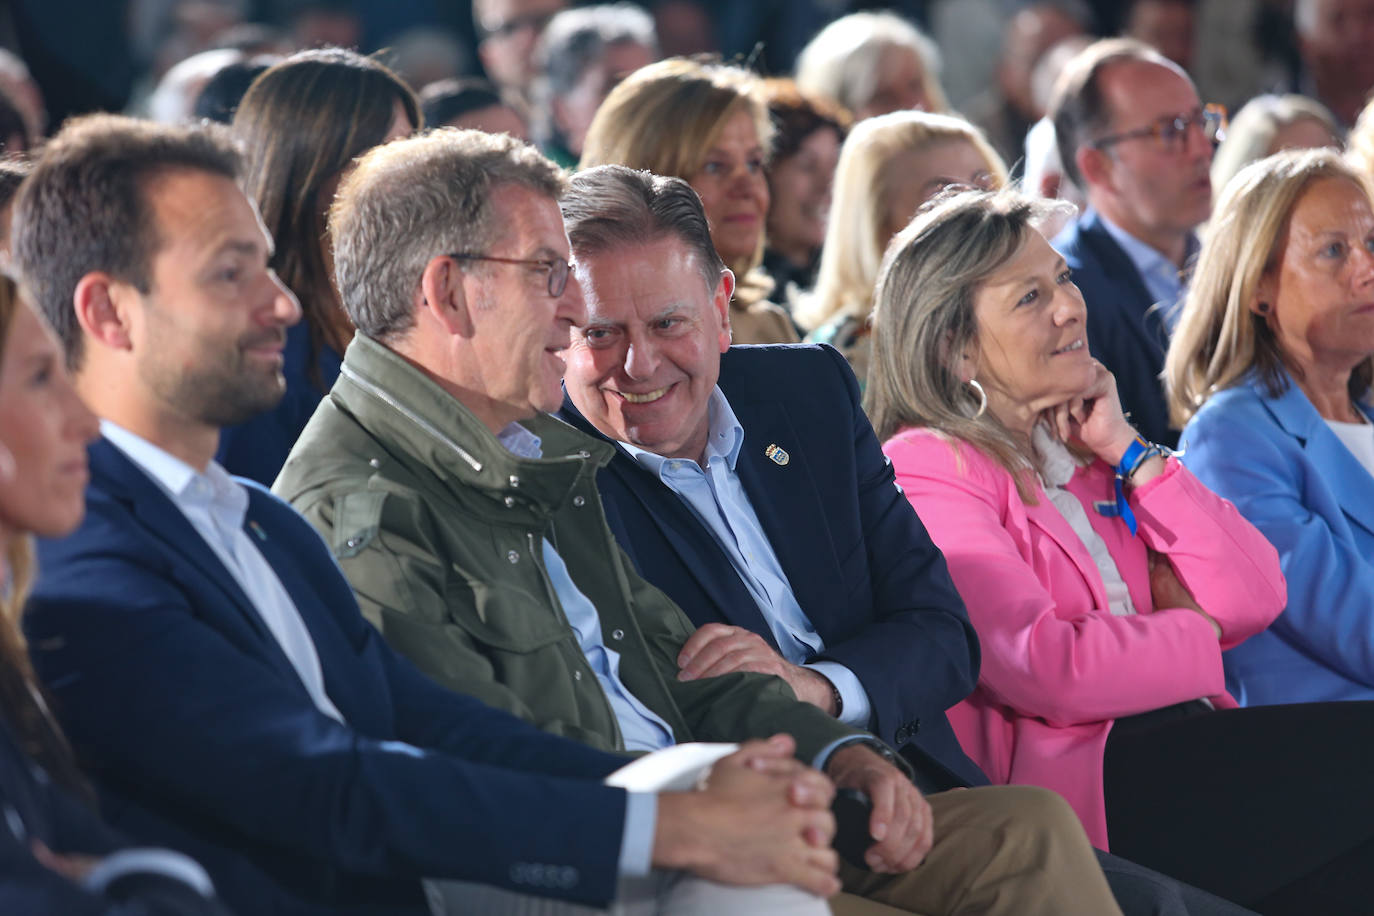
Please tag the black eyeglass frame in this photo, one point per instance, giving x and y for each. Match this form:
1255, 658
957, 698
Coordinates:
1171, 132
559, 269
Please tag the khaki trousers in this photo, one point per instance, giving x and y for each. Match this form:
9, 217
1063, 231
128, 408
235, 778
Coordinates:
999, 851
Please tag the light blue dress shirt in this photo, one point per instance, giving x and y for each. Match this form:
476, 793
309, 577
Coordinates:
640, 728
716, 496
1162, 277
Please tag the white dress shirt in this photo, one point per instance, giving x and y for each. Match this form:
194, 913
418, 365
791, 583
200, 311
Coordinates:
216, 505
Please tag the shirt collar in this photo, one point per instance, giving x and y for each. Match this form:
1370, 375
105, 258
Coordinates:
520, 442
724, 438
1145, 257
213, 488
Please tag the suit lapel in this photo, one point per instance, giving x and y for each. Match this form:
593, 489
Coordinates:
789, 507
125, 481
1351, 483
1045, 516
1147, 323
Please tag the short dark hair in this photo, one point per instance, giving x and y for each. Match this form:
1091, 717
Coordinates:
85, 207
611, 206
13, 171
444, 100
797, 115
1077, 106
220, 96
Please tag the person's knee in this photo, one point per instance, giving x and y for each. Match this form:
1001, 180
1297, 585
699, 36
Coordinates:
1038, 811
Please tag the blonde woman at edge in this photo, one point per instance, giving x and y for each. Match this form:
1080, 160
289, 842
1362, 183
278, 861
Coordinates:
889, 166
708, 124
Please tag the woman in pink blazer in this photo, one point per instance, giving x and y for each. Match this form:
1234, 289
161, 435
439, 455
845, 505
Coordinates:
1103, 579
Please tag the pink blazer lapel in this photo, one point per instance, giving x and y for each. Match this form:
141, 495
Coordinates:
1094, 484
1047, 518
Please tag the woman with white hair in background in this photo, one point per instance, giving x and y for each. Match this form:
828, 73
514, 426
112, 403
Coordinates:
872, 64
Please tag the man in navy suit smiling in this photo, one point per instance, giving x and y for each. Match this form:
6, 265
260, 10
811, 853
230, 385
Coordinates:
207, 655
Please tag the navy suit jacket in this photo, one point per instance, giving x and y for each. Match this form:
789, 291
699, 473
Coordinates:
202, 737
859, 561
1125, 331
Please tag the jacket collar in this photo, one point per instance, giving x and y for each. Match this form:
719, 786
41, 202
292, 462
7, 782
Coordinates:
1349, 480
396, 402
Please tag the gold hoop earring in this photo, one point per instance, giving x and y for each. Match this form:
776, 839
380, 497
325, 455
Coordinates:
982, 398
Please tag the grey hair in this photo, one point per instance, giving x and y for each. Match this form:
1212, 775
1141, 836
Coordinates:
412, 200
924, 314
840, 62
1251, 133
611, 206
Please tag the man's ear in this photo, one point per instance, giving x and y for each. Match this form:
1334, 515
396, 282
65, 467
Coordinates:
720, 301
1094, 165
443, 297
104, 307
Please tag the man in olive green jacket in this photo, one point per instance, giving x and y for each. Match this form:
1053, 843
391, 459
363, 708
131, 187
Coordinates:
469, 524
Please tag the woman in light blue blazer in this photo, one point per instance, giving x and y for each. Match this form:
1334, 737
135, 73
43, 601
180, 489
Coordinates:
1270, 369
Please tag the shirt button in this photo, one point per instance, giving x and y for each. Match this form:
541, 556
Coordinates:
577, 675
510, 502
513, 556
579, 501
514, 481
353, 542
375, 462
617, 634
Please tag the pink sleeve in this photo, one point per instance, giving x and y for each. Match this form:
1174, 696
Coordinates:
1225, 563
1068, 665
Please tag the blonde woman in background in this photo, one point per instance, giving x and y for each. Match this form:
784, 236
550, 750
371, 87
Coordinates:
1270, 369
889, 166
1269, 124
708, 124
872, 64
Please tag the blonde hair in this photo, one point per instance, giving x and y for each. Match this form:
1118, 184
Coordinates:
1252, 132
841, 61
663, 119
1220, 340
924, 312
855, 236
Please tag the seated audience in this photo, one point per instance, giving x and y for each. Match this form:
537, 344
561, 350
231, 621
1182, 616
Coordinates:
708, 124
801, 174
302, 123
1103, 579
470, 524
15, 139
582, 55
872, 632
1270, 368
55, 854
475, 104
889, 166
1361, 142
1333, 41
1134, 136
871, 64
1269, 124
1168, 26
208, 658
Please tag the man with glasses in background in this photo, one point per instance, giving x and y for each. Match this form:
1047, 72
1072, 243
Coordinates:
1133, 134
507, 32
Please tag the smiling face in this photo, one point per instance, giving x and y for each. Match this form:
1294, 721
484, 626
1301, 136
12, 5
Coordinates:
733, 190
208, 335
1032, 347
46, 427
513, 364
1322, 292
913, 177
800, 189
643, 366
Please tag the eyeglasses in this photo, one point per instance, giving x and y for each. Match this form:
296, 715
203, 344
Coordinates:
558, 269
1171, 133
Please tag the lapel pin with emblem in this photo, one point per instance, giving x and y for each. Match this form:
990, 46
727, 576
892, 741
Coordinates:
777, 455
257, 529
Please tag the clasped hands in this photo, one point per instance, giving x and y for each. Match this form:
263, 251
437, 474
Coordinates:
900, 823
